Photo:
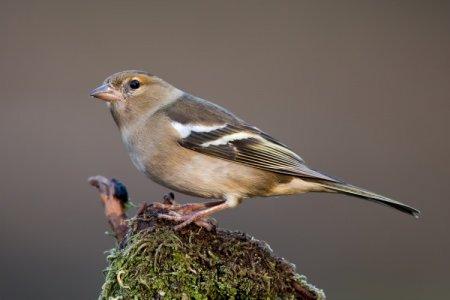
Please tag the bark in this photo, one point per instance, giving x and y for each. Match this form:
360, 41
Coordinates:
154, 261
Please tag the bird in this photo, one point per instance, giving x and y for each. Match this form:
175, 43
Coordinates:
199, 148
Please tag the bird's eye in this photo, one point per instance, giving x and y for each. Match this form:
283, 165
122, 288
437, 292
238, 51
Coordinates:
135, 84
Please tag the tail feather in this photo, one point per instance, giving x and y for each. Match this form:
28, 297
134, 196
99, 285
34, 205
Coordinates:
365, 194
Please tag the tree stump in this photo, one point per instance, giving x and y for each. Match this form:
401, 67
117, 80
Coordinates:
154, 261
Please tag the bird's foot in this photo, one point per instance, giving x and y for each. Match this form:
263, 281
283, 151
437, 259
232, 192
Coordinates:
170, 205
207, 223
196, 213
186, 214
183, 212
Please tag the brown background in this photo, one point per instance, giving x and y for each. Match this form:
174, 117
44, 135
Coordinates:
359, 89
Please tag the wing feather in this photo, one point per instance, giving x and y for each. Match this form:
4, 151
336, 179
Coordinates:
250, 146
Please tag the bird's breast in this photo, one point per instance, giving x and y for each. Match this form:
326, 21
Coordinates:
135, 148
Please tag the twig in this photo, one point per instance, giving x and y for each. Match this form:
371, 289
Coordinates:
114, 196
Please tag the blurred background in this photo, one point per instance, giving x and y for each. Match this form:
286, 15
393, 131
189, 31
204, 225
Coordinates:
360, 89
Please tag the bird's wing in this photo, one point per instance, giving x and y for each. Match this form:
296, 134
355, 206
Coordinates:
222, 135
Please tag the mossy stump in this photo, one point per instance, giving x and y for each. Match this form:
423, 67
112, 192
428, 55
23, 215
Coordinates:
154, 261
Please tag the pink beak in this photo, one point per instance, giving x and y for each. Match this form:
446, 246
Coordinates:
107, 93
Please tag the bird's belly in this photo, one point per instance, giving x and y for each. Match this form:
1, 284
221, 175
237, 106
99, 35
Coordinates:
193, 175
204, 176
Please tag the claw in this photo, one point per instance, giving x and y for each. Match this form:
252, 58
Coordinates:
193, 218
208, 225
186, 220
171, 217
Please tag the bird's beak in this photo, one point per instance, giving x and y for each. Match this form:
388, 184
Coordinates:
107, 93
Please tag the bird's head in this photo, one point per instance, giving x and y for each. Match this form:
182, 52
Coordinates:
130, 94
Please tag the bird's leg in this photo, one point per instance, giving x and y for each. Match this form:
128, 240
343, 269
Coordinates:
202, 214
171, 205
179, 211
190, 207
194, 213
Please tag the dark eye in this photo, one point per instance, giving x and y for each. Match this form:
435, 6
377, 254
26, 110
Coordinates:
135, 84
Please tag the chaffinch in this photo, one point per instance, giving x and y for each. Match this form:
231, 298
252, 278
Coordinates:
199, 148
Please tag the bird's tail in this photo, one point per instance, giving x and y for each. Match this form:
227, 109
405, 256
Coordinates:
365, 194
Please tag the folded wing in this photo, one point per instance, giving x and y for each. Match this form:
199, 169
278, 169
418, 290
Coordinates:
250, 146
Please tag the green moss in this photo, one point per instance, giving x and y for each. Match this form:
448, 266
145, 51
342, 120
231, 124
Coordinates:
156, 262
